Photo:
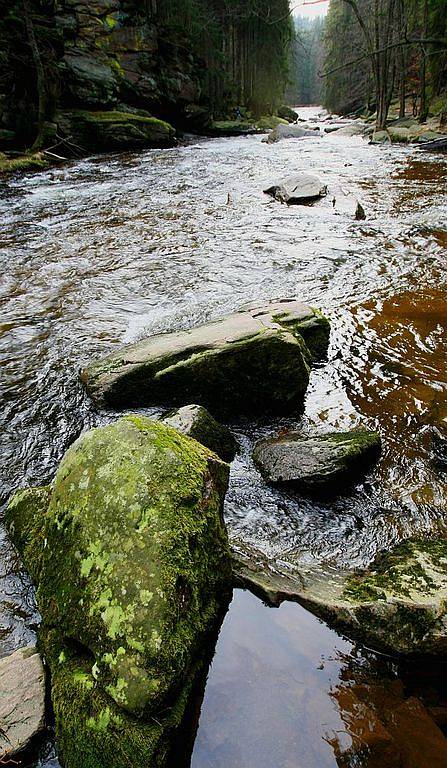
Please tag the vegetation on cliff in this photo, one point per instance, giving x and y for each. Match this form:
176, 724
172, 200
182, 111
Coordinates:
184, 61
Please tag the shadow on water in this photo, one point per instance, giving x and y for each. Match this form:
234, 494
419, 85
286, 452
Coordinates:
120, 246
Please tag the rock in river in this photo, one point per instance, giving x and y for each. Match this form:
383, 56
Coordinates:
397, 605
196, 422
320, 464
291, 132
130, 557
22, 702
252, 362
297, 190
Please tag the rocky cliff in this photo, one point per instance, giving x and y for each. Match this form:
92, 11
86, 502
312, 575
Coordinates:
116, 74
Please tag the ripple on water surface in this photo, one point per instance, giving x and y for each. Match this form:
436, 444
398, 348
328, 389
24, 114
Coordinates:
111, 248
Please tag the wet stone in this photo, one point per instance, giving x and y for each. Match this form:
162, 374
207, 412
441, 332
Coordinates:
396, 605
297, 190
22, 701
320, 464
196, 422
254, 361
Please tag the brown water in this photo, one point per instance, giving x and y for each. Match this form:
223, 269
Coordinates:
109, 249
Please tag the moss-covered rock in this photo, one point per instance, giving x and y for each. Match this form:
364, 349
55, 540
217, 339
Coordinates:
102, 131
252, 362
196, 422
288, 114
130, 557
323, 464
33, 161
397, 605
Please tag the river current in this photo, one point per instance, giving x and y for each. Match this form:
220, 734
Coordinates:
109, 249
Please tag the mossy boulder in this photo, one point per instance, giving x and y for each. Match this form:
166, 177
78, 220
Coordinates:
255, 361
17, 163
105, 131
288, 114
397, 605
196, 422
319, 464
130, 558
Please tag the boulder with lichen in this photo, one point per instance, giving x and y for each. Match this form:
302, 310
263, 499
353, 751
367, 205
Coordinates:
129, 555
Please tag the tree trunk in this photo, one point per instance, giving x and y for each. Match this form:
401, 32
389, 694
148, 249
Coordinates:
42, 91
423, 109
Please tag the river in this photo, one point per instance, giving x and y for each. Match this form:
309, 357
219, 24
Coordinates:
108, 249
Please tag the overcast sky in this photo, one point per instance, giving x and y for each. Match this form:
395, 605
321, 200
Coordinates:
310, 11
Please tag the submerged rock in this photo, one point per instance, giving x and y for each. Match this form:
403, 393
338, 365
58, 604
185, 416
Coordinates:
298, 190
22, 702
130, 557
397, 605
252, 362
291, 132
319, 464
386, 729
196, 422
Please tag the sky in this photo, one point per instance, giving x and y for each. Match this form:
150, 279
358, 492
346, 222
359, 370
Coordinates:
310, 11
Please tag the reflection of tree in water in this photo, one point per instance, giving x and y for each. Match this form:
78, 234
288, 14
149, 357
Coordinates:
395, 713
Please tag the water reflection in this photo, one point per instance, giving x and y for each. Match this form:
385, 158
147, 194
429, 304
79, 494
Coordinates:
285, 691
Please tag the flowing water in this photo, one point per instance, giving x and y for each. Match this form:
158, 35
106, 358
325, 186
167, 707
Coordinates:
109, 249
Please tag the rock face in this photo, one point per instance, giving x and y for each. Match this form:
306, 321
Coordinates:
130, 557
196, 422
298, 190
320, 464
397, 605
252, 362
290, 132
22, 701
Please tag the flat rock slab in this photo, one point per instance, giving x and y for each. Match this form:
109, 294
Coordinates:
397, 605
22, 701
196, 422
254, 361
323, 464
291, 132
298, 190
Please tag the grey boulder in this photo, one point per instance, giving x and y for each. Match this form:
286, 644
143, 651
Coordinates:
196, 422
290, 132
298, 189
22, 701
318, 464
254, 361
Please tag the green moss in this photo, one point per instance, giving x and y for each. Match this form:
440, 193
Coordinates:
22, 163
414, 566
132, 556
93, 732
264, 372
105, 130
24, 519
268, 122
314, 330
